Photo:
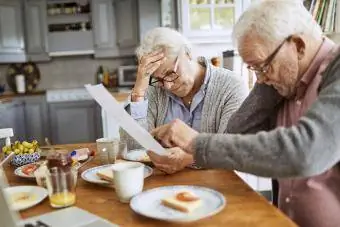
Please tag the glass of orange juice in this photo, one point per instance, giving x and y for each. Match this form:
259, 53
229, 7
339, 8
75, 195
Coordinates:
61, 186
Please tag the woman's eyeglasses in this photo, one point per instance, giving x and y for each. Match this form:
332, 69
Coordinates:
169, 76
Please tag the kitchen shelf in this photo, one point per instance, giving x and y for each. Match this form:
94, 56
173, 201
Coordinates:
69, 18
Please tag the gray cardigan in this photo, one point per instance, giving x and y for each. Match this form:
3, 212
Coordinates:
224, 95
308, 148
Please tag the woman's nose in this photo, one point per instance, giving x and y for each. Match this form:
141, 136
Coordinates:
167, 85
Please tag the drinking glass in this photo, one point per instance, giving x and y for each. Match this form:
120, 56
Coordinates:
109, 149
61, 186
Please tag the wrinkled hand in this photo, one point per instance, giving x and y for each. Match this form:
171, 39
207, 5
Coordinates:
175, 134
175, 161
148, 64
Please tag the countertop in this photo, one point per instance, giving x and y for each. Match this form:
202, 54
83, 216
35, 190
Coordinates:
11, 94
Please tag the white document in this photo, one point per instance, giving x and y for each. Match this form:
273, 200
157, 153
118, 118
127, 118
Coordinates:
115, 110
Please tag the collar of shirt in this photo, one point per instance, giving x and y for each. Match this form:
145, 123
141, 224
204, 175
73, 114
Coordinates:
201, 93
324, 50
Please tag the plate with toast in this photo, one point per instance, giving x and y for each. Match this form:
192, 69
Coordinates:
103, 175
137, 155
182, 203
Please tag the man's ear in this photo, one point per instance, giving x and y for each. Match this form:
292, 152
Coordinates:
300, 45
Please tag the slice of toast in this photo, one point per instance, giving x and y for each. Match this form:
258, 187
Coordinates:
184, 206
105, 174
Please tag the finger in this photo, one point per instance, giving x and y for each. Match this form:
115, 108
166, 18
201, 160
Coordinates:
155, 158
153, 59
157, 130
164, 138
151, 68
166, 168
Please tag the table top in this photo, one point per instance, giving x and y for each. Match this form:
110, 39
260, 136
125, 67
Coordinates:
244, 206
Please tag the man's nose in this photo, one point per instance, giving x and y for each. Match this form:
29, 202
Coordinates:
261, 78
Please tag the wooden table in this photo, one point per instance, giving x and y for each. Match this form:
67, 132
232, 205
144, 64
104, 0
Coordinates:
244, 206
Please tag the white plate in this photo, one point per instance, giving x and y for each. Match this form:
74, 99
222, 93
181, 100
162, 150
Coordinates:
149, 203
18, 172
137, 155
36, 195
90, 175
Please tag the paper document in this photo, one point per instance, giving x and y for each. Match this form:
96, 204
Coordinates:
115, 110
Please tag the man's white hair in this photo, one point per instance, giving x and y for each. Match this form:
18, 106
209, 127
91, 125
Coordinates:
170, 40
275, 20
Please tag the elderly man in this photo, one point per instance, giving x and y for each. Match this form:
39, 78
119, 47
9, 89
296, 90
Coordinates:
298, 92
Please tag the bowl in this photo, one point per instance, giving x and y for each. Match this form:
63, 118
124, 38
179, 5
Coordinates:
23, 159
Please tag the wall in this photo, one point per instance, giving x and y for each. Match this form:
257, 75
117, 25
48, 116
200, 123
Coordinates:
70, 72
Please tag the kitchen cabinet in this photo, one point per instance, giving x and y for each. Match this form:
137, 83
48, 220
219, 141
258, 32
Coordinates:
149, 12
12, 116
36, 30
75, 122
126, 17
36, 118
103, 23
12, 48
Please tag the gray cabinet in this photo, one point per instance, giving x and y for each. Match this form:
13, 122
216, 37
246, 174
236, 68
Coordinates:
12, 116
12, 48
149, 12
36, 118
126, 17
103, 22
36, 30
75, 122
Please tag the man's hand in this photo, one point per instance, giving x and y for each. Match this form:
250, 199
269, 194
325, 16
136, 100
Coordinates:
175, 161
175, 134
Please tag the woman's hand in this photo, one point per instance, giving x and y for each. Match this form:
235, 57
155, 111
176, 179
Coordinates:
175, 161
147, 66
175, 134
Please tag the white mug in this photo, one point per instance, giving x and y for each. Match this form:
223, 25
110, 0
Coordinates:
128, 179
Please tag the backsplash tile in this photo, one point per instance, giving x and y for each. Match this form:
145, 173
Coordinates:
71, 72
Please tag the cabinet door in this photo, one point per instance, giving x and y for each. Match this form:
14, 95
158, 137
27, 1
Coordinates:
103, 21
12, 116
37, 125
149, 12
126, 26
36, 30
12, 47
74, 122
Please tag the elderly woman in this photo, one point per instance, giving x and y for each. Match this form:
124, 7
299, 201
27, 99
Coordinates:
172, 85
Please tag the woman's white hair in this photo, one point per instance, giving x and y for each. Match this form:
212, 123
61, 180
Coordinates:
275, 20
170, 40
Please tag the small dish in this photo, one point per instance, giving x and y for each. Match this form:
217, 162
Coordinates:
23, 197
138, 155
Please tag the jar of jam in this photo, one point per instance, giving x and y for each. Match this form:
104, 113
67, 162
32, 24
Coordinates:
60, 159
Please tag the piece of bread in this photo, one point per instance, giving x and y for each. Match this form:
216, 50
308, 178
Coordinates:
184, 201
105, 174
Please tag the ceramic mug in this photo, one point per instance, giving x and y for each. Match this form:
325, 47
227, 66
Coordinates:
128, 179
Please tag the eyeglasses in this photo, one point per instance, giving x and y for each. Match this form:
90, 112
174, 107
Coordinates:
262, 70
168, 76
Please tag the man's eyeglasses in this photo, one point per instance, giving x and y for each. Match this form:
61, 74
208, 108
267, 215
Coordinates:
168, 76
262, 70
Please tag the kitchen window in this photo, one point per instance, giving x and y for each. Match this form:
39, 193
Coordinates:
210, 20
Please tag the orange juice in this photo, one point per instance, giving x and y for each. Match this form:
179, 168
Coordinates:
62, 199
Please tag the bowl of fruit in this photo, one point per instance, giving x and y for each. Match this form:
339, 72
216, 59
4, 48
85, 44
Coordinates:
25, 152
